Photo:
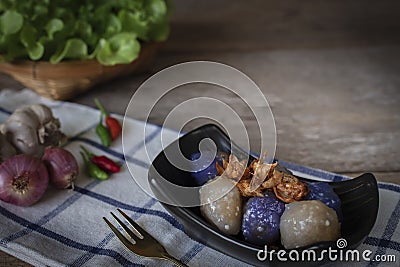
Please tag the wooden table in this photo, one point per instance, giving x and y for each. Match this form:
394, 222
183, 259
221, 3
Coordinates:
329, 69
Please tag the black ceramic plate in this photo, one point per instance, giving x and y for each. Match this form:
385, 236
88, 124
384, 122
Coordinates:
359, 197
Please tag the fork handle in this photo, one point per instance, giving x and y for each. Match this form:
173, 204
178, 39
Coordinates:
168, 257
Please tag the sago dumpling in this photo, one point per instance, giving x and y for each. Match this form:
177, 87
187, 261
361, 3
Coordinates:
307, 222
225, 212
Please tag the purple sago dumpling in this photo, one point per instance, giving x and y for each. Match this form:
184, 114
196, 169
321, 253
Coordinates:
261, 218
205, 169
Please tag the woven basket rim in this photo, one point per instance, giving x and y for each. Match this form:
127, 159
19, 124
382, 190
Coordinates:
66, 79
72, 62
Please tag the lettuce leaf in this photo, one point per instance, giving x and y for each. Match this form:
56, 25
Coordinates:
73, 49
30, 40
120, 48
109, 31
11, 22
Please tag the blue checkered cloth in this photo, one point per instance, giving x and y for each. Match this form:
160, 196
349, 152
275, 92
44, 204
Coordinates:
66, 227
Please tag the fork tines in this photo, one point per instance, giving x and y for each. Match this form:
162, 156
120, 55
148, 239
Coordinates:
137, 232
141, 243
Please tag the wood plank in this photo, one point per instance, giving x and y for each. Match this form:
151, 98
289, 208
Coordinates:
10, 261
387, 177
335, 109
224, 25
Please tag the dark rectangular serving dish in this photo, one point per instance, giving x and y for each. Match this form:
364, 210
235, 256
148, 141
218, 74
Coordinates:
359, 197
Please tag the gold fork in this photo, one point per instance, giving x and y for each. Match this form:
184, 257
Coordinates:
144, 244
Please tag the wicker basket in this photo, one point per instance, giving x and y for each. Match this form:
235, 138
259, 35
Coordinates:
66, 79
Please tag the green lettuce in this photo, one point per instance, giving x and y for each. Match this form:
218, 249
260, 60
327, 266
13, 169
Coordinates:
109, 31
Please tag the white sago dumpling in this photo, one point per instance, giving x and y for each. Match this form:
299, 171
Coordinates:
307, 222
225, 212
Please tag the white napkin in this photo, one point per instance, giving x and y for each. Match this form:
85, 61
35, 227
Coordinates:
66, 227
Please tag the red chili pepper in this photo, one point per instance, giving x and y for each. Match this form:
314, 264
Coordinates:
105, 164
112, 123
114, 126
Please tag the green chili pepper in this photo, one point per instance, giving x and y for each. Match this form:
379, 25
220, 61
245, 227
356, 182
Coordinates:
88, 154
112, 123
103, 133
93, 170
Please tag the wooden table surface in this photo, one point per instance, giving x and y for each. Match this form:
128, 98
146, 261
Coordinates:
329, 69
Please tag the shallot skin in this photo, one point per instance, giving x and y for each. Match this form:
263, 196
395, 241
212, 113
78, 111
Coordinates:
23, 180
62, 166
